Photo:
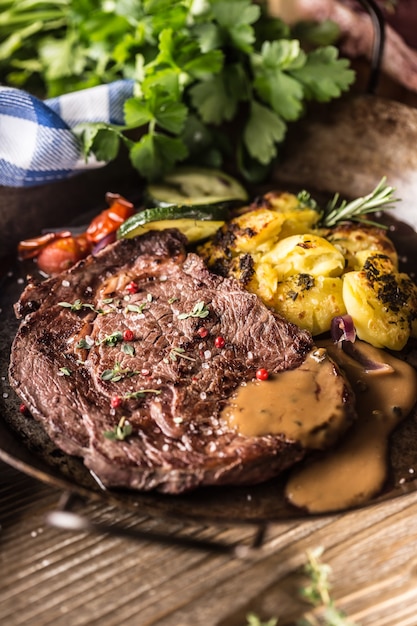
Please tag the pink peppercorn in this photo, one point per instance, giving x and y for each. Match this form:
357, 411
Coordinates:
115, 402
132, 287
262, 374
219, 342
128, 335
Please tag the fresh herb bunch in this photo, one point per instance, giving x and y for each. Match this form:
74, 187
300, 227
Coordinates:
199, 66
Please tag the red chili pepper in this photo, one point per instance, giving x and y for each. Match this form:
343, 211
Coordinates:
132, 287
262, 374
115, 402
202, 332
128, 335
109, 220
219, 342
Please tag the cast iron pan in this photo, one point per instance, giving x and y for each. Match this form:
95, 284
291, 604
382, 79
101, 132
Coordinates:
346, 147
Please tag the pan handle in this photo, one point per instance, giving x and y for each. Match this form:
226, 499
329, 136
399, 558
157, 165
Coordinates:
65, 519
378, 23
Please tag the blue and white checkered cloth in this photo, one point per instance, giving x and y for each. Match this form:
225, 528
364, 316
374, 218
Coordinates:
37, 145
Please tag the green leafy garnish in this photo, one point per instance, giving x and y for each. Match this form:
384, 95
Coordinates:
175, 353
140, 393
77, 305
112, 339
128, 349
135, 308
336, 211
198, 68
199, 310
117, 373
120, 432
65, 371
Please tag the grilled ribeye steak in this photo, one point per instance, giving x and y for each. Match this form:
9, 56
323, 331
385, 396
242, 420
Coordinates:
117, 358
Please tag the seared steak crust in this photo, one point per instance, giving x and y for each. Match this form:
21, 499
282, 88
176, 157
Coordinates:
81, 374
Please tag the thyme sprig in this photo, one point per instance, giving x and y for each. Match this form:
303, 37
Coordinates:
179, 352
317, 593
199, 310
122, 430
117, 373
140, 393
112, 339
77, 305
381, 197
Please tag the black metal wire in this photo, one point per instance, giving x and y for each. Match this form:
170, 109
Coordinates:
378, 22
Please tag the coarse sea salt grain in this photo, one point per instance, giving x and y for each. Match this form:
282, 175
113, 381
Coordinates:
65, 283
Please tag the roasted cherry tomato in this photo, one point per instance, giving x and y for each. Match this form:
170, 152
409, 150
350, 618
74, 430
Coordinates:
30, 248
63, 253
108, 221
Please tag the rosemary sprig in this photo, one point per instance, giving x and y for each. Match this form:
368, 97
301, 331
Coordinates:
381, 197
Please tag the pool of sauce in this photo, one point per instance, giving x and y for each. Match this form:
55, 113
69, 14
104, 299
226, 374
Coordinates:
355, 469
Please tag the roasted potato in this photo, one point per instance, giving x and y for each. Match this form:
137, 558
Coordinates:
382, 304
305, 254
253, 230
311, 302
356, 243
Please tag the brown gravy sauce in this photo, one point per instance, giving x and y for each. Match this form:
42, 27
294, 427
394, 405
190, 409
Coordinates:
303, 404
355, 469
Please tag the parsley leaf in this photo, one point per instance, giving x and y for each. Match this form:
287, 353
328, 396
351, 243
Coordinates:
263, 130
156, 153
323, 75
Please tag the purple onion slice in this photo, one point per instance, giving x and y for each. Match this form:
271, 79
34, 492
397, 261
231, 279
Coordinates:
343, 329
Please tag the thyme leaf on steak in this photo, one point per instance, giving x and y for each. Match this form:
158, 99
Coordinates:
178, 352
135, 308
112, 339
199, 310
64, 371
139, 393
77, 305
120, 432
128, 349
85, 343
117, 373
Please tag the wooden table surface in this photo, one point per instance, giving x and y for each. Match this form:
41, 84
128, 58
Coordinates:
49, 576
